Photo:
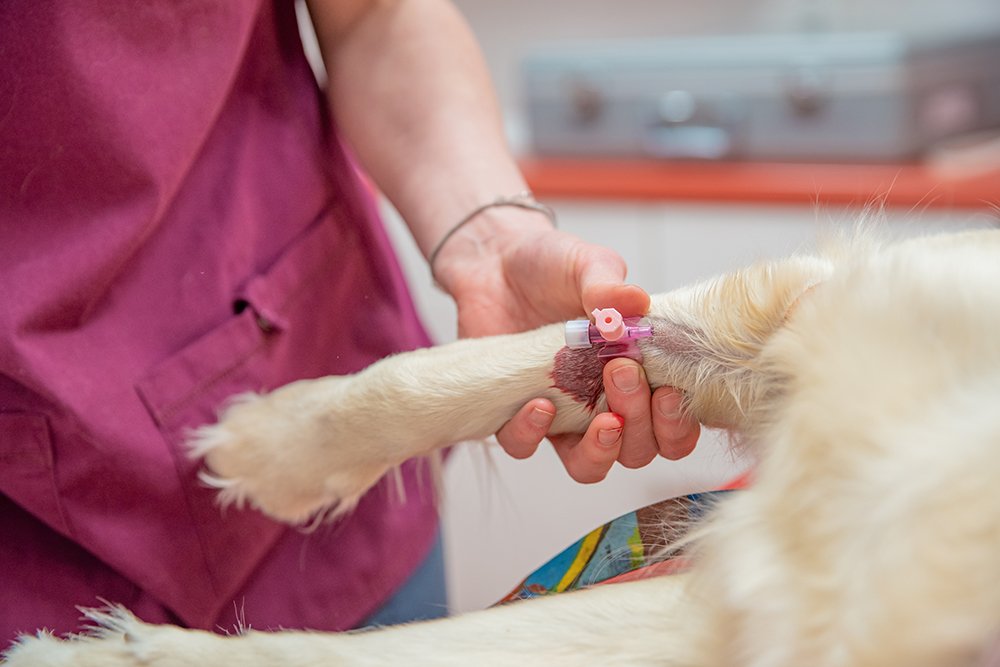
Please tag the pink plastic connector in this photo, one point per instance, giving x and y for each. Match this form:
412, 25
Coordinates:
613, 335
609, 323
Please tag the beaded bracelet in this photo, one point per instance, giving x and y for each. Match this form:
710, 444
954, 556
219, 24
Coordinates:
524, 200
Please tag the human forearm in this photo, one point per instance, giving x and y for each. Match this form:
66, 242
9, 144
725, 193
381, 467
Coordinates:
411, 93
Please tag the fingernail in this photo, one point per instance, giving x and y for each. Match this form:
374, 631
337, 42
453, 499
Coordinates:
609, 436
626, 378
669, 406
540, 417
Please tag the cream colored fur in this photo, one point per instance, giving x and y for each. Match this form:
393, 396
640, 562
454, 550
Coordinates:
866, 381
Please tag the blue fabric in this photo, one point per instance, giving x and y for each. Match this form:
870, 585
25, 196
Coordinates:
424, 595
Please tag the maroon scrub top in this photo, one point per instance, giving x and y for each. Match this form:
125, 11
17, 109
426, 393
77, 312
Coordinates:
178, 223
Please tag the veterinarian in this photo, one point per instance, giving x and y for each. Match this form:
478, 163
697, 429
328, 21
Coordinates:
180, 222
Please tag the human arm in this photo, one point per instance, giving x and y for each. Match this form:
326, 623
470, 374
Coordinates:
410, 92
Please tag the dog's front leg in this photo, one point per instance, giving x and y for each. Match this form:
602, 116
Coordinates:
318, 444
637, 623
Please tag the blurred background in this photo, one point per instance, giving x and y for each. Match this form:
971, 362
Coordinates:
514, 31
694, 138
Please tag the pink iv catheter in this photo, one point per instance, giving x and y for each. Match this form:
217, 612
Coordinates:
614, 336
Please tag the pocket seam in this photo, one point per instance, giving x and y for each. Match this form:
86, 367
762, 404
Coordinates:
42, 459
205, 385
163, 408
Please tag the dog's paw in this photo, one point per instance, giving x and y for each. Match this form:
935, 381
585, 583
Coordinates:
295, 454
114, 638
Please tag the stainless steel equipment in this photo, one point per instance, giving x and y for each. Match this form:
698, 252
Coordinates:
857, 97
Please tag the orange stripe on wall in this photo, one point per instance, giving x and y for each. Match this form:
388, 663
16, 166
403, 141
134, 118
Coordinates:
909, 185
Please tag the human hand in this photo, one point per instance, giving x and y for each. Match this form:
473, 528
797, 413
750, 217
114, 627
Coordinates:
495, 281
634, 432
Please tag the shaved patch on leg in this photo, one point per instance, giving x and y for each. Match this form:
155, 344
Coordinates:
579, 374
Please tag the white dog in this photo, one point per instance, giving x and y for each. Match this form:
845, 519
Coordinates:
867, 383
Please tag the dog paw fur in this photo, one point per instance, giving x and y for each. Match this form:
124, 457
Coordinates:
114, 638
293, 454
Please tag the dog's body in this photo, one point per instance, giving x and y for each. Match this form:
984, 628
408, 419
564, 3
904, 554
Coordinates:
865, 381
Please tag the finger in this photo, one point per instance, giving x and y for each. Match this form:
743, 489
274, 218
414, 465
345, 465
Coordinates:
629, 300
600, 279
676, 433
588, 459
520, 436
628, 395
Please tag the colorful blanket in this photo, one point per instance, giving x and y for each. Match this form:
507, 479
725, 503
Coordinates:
633, 546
